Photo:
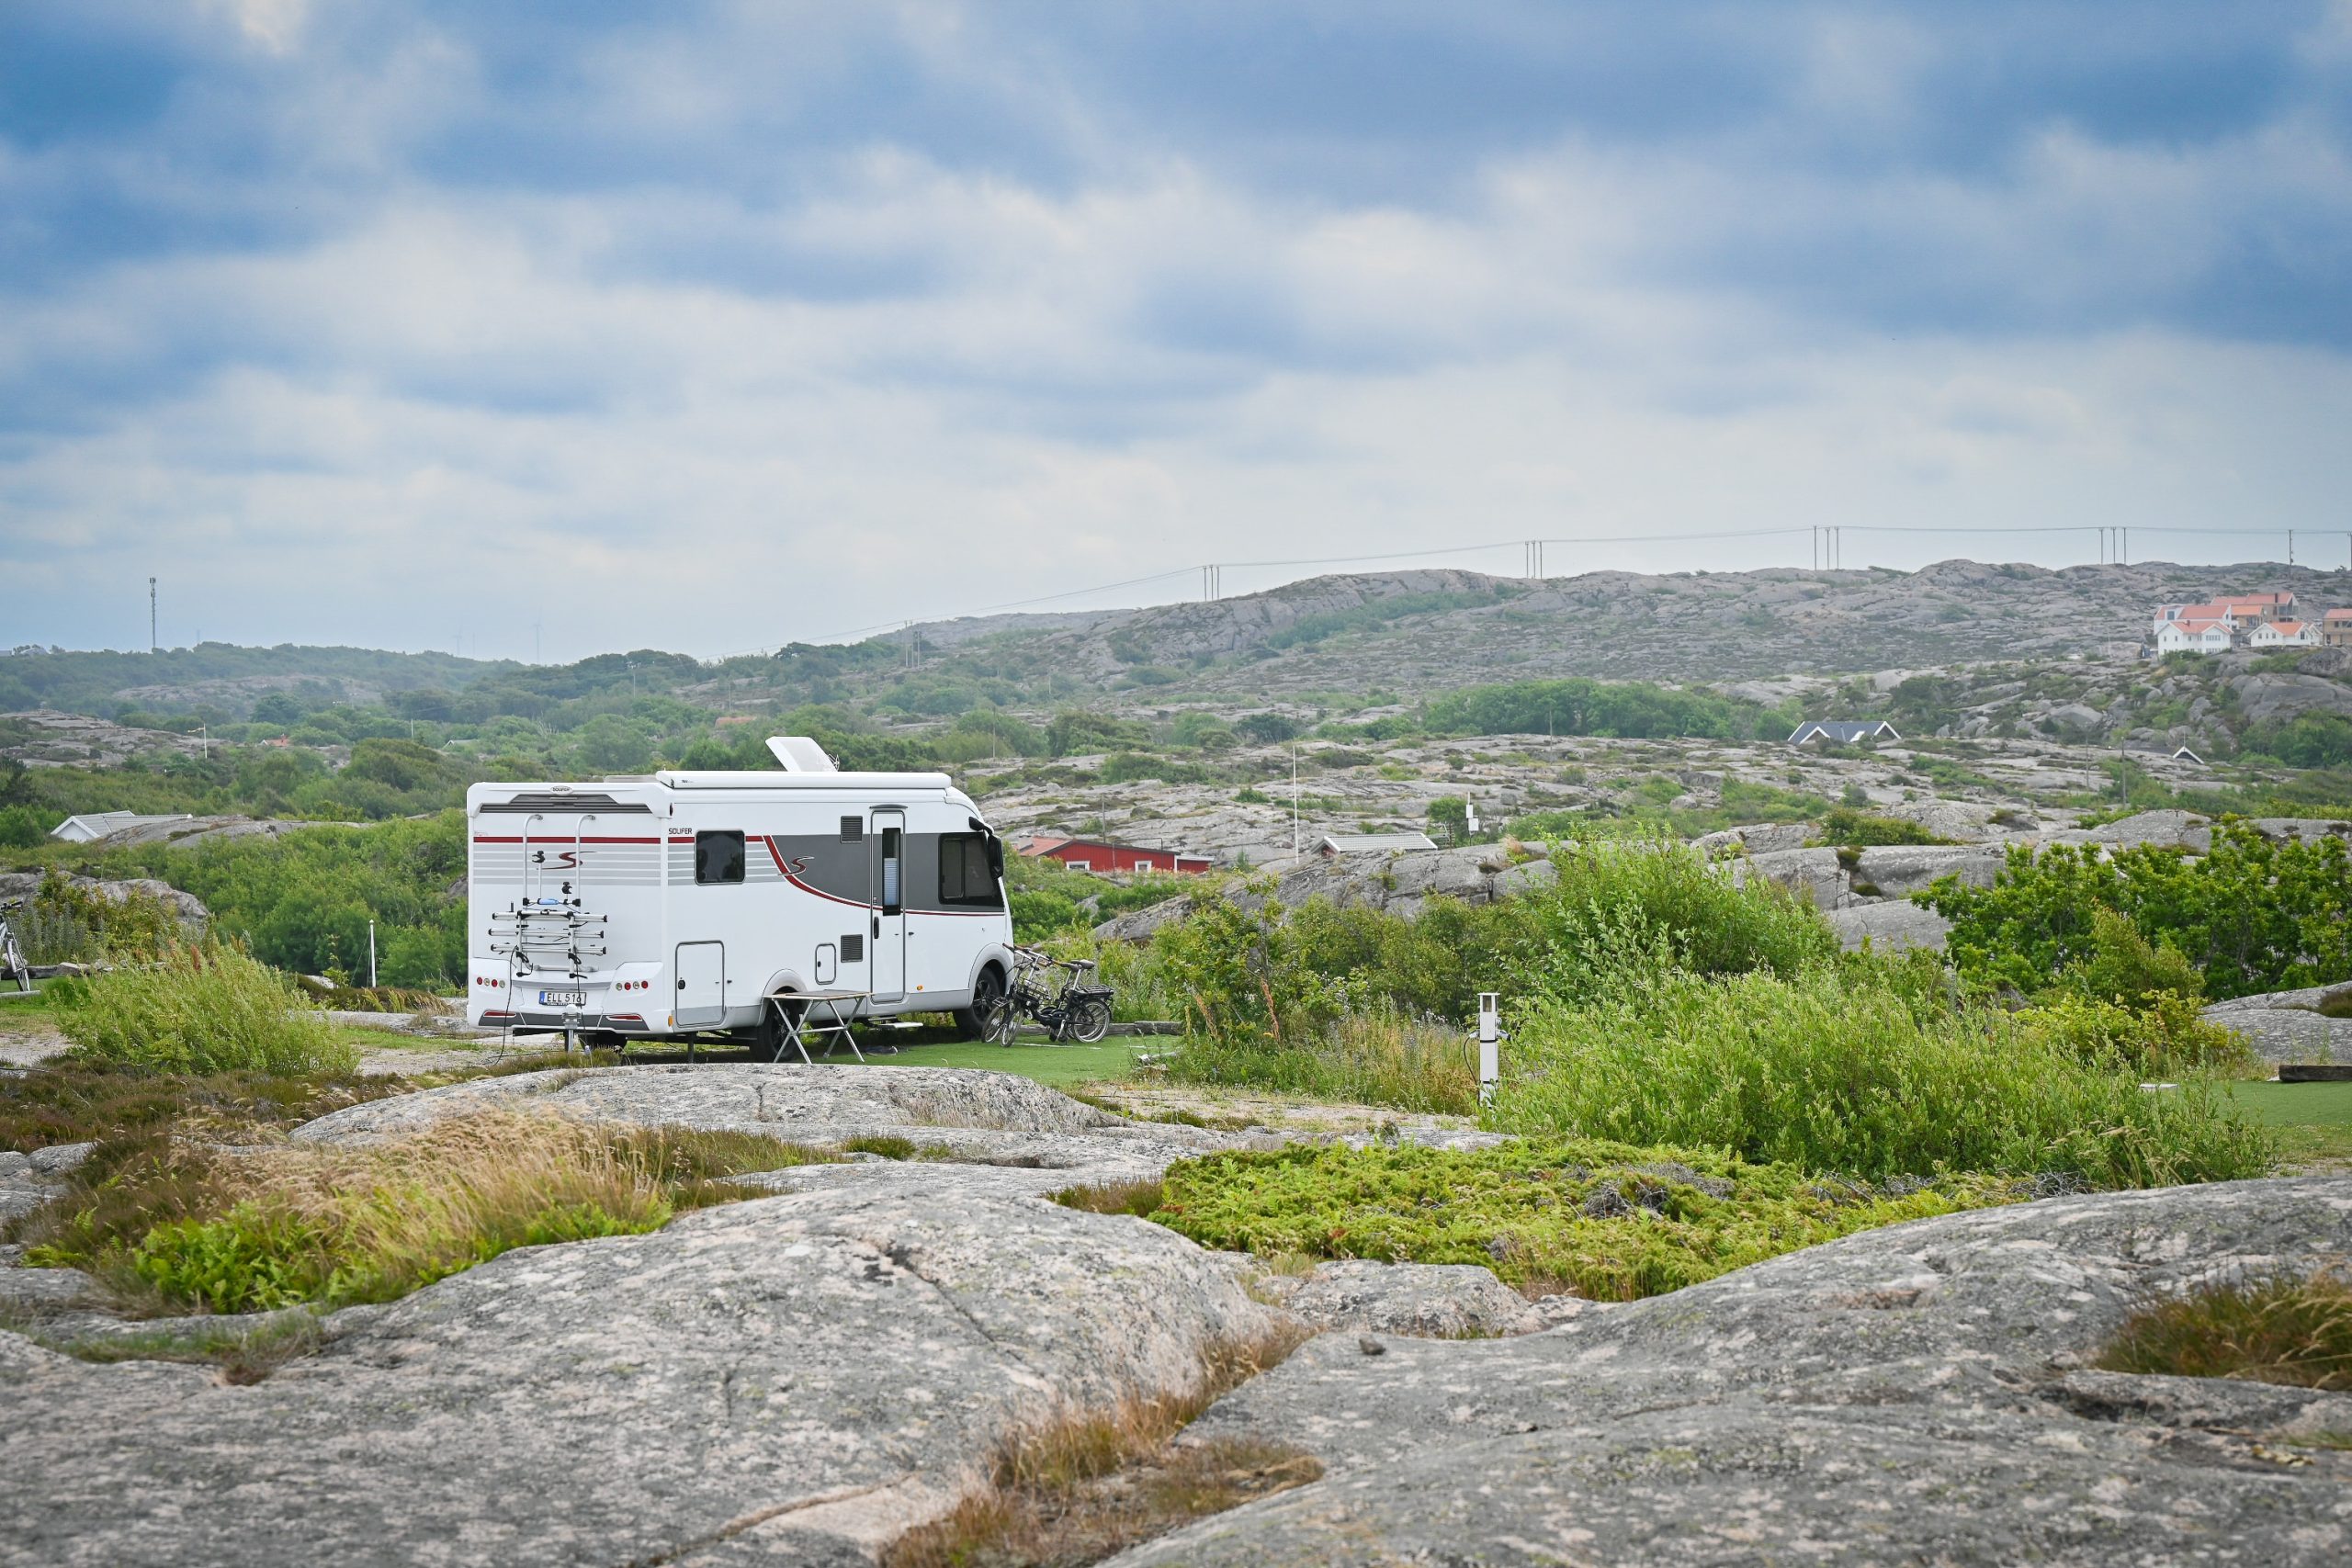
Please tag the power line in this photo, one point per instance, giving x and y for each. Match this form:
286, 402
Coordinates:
1829, 553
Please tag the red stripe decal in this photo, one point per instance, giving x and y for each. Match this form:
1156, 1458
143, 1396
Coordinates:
498, 840
776, 855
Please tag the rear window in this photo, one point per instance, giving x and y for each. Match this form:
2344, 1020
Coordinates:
718, 857
964, 874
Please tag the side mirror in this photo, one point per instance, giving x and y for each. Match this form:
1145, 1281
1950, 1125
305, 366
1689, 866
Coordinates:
996, 857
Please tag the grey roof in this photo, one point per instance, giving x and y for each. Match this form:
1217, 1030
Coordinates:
1844, 730
1362, 843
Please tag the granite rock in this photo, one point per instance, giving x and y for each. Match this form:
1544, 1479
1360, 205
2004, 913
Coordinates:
1917, 1393
804, 1377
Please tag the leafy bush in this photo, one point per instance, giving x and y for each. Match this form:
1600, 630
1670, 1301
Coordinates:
2252, 916
1625, 709
200, 1010
72, 922
2124, 967
1863, 829
302, 899
1609, 1221
2167, 1037
1657, 905
1860, 1068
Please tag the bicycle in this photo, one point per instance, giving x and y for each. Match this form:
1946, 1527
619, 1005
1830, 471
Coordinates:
1052, 993
12, 957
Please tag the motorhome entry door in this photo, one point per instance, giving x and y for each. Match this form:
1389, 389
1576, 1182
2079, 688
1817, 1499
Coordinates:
890, 921
702, 984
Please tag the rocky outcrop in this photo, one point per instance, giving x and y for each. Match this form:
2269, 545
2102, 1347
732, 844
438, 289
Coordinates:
2312, 1025
1897, 871
796, 1379
187, 906
1890, 926
1443, 1301
954, 1118
1917, 1393
1815, 875
1401, 883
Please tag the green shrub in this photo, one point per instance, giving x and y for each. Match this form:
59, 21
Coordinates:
2124, 967
1864, 829
1657, 904
200, 1010
2252, 916
1609, 1221
72, 922
1835, 1069
2166, 1038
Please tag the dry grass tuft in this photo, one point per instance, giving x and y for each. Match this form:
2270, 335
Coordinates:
1139, 1198
1090, 1484
2280, 1330
172, 1226
246, 1352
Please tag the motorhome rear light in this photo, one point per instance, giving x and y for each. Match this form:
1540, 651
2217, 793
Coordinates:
489, 1014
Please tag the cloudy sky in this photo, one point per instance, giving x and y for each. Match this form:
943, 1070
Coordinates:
711, 326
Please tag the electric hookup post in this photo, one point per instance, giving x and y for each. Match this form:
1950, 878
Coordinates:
1490, 1044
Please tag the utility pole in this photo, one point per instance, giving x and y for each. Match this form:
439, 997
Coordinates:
1294, 800
153, 646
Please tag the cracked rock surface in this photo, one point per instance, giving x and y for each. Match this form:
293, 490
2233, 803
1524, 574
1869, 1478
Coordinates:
977, 1118
1914, 1394
793, 1378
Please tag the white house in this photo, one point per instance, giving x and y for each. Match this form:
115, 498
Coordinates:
1842, 732
94, 825
2283, 633
2195, 636
1371, 843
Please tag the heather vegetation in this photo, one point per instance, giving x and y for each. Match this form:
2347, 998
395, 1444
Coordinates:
1609, 1221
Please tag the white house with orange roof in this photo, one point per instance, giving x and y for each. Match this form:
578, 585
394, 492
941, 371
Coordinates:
2201, 635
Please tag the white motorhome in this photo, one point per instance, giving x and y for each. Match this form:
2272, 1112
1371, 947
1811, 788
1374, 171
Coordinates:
678, 905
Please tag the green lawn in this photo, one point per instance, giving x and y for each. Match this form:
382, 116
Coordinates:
2314, 1120
1043, 1061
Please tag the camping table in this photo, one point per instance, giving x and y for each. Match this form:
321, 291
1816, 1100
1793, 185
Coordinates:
793, 1014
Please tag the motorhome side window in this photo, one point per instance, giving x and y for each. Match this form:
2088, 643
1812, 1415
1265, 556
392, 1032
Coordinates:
718, 857
965, 876
893, 865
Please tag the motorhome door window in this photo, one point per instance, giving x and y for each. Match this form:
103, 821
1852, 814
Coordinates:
718, 857
893, 898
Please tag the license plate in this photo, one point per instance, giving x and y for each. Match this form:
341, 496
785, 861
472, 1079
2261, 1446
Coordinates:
563, 999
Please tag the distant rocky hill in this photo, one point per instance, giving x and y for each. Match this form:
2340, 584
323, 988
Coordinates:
1420, 631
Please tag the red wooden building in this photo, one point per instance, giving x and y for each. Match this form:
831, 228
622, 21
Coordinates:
1097, 855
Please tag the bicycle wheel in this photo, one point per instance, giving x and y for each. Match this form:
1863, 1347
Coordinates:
1089, 1021
999, 1023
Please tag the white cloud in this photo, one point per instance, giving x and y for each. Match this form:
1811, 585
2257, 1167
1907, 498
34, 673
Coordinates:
723, 415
